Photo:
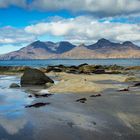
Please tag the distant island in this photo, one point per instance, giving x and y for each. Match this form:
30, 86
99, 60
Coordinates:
103, 48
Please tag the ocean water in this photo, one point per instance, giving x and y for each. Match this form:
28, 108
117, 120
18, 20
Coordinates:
44, 63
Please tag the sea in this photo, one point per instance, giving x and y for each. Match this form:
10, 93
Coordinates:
67, 62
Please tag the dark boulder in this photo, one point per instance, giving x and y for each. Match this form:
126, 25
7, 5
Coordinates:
34, 77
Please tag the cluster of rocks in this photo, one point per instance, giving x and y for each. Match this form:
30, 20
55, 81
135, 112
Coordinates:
85, 69
83, 100
12, 68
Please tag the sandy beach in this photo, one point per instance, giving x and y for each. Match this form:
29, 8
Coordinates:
113, 115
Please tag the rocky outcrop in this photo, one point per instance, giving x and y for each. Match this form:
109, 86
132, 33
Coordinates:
86, 69
34, 77
12, 68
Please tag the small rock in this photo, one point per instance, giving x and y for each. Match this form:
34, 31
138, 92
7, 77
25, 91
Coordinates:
48, 85
137, 84
37, 105
125, 89
82, 100
96, 95
43, 95
30, 96
14, 85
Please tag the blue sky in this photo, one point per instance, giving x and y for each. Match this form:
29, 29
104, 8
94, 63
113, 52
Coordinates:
78, 21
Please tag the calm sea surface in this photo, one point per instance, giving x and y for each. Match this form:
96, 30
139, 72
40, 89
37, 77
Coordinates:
41, 63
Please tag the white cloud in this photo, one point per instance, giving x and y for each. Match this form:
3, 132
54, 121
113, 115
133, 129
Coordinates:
98, 7
57, 28
94, 7
10, 35
86, 29
7, 3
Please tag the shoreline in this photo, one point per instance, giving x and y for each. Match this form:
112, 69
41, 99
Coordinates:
84, 78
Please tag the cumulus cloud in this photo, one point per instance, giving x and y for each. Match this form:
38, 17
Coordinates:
97, 7
7, 3
86, 29
10, 35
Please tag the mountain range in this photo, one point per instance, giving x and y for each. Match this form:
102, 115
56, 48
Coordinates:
103, 48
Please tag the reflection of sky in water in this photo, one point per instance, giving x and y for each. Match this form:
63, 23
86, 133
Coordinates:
13, 99
12, 126
12, 102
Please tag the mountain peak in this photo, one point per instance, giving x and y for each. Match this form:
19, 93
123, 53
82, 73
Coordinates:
36, 43
103, 40
127, 43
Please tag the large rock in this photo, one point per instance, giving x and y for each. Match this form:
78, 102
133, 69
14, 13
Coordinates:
34, 77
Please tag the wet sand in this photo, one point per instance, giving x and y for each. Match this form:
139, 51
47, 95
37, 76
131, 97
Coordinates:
113, 116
